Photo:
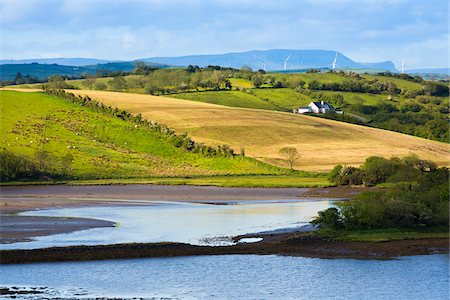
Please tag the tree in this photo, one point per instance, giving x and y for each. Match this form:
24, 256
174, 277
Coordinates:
18, 78
57, 82
334, 174
217, 79
257, 80
290, 154
89, 82
118, 83
330, 218
246, 69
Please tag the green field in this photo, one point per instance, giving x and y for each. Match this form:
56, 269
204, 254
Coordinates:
227, 98
389, 234
103, 146
267, 181
282, 99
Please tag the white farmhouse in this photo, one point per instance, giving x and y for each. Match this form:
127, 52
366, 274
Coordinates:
315, 107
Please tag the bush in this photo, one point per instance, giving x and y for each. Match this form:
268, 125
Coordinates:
349, 176
328, 219
419, 203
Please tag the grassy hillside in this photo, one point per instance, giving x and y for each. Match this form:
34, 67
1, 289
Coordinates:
65, 137
283, 99
228, 98
321, 143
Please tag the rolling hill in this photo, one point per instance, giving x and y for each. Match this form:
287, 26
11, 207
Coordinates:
61, 136
321, 143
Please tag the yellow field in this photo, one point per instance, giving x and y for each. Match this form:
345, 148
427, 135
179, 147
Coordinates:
321, 143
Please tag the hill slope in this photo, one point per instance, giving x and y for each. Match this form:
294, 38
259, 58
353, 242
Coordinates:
321, 143
67, 138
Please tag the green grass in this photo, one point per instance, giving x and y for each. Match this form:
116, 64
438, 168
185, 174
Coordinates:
241, 83
267, 181
400, 83
308, 77
227, 98
283, 98
389, 234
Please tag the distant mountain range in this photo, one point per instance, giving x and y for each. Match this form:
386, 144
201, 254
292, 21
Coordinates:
273, 60
75, 61
269, 60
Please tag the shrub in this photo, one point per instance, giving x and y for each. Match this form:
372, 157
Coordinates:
328, 219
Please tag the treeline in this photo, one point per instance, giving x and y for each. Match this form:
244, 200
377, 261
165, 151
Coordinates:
376, 170
356, 83
158, 81
353, 82
426, 117
178, 140
421, 201
20, 79
43, 166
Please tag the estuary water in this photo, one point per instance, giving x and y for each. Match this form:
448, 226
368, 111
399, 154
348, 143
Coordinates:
193, 223
234, 277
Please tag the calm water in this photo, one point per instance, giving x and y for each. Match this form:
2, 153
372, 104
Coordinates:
178, 222
239, 277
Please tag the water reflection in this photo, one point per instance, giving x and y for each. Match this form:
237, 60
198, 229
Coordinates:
177, 222
238, 277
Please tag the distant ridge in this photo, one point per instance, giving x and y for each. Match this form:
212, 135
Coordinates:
383, 65
76, 61
268, 60
273, 60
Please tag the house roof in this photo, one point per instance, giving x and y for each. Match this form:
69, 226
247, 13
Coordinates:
304, 107
320, 105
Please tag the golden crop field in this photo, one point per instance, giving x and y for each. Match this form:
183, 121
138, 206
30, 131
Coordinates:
321, 143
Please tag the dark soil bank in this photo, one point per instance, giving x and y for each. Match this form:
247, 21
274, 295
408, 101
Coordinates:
282, 244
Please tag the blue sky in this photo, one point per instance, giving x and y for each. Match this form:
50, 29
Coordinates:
364, 30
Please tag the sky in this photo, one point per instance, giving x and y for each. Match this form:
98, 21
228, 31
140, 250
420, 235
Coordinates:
364, 30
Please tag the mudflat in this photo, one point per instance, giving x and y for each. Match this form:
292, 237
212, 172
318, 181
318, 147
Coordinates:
38, 196
15, 228
16, 199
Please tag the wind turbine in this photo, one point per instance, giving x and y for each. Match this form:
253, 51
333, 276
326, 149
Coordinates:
403, 66
286, 60
333, 65
264, 63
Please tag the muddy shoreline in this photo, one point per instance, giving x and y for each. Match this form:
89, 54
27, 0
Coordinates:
281, 244
168, 193
17, 199
15, 228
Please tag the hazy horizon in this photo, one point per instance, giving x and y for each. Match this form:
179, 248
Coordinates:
365, 31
